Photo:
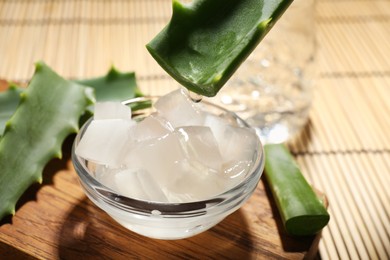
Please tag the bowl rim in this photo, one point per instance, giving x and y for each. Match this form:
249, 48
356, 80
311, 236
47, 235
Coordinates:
98, 191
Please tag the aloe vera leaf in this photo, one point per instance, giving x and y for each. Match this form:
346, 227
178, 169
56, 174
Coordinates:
207, 40
302, 212
114, 86
48, 112
9, 100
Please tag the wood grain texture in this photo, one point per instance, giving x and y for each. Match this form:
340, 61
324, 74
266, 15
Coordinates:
57, 221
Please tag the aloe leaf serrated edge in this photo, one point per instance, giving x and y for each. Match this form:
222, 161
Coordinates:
48, 112
114, 86
8, 102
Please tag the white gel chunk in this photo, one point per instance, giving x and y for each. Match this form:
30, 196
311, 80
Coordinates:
139, 185
133, 184
194, 184
200, 146
151, 127
178, 109
217, 126
239, 143
158, 156
104, 141
111, 110
238, 146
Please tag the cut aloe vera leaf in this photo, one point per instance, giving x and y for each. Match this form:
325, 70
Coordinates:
48, 111
206, 41
302, 212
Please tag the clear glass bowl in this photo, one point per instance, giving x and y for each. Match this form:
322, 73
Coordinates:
168, 220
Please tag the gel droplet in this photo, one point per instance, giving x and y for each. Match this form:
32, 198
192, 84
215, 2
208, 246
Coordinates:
195, 97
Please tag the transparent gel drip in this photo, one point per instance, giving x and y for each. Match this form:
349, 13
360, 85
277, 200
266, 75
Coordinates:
195, 96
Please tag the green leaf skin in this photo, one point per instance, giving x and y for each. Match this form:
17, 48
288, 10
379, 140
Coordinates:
207, 40
115, 86
9, 100
302, 212
48, 112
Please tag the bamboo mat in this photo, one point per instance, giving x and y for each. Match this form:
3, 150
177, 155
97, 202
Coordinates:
345, 148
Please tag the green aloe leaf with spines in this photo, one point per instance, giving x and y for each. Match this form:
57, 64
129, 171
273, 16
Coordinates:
48, 111
114, 86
